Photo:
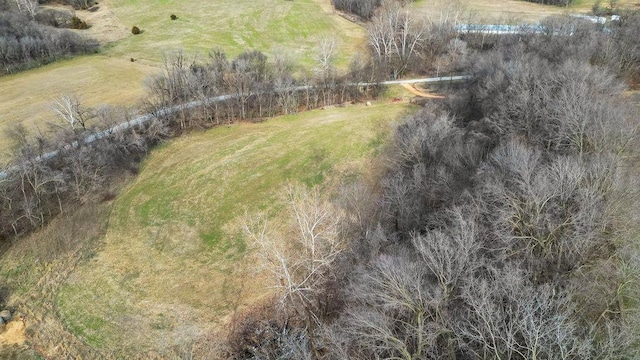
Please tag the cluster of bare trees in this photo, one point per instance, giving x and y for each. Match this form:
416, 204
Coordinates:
257, 87
76, 4
27, 7
502, 228
614, 45
25, 42
35, 187
400, 41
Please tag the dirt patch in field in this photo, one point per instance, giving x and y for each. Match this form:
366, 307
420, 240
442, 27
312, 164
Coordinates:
416, 90
14, 333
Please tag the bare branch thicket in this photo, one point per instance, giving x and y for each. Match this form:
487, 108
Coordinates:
450, 257
400, 42
508, 318
394, 311
250, 86
430, 165
363, 8
27, 7
400, 302
567, 108
34, 188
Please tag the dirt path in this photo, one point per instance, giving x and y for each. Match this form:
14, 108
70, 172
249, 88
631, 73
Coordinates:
415, 90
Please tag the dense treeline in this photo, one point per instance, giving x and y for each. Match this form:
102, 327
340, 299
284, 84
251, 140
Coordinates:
24, 42
502, 227
35, 186
34, 189
257, 87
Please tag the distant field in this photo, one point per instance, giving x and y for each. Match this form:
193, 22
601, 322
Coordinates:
513, 11
175, 263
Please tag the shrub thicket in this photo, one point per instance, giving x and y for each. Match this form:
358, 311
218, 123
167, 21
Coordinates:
552, 2
76, 4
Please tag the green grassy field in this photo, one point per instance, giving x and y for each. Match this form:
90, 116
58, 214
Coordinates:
292, 27
175, 262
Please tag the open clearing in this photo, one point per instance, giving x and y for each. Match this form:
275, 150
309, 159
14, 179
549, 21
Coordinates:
174, 263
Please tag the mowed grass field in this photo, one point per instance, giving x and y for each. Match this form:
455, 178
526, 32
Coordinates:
175, 263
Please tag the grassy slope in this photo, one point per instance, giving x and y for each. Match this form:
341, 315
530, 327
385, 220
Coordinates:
175, 262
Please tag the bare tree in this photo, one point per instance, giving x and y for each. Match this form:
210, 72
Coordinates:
450, 256
395, 310
527, 322
28, 7
302, 261
327, 52
72, 112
